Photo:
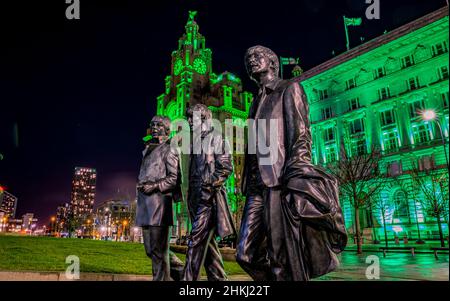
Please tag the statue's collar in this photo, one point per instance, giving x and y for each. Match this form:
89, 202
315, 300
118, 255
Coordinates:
206, 133
271, 85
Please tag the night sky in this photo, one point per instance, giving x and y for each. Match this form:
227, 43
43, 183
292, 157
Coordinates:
82, 92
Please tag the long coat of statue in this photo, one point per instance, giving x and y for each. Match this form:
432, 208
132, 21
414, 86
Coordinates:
312, 224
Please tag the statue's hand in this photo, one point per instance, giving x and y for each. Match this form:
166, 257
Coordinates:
149, 188
207, 194
140, 186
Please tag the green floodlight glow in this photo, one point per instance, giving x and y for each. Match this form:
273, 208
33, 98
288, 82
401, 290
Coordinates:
233, 78
397, 229
192, 66
147, 138
394, 133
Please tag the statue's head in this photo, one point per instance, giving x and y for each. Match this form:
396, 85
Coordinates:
259, 60
199, 114
160, 127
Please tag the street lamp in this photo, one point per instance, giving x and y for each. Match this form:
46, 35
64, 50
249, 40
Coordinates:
428, 115
89, 228
53, 219
102, 232
124, 223
3, 224
431, 115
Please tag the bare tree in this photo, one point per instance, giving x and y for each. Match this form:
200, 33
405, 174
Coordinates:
237, 214
73, 224
413, 194
360, 179
433, 184
384, 208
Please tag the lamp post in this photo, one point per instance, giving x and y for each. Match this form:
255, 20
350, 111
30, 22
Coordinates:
53, 219
88, 228
124, 227
419, 240
431, 115
102, 232
4, 224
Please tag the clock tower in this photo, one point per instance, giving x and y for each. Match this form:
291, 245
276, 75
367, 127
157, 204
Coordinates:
189, 81
192, 81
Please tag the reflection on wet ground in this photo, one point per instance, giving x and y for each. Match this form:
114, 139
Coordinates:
395, 266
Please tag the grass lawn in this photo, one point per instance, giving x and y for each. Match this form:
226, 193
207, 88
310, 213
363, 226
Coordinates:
25, 253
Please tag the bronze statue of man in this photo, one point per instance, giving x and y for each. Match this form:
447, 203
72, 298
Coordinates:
158, 187
209, 167
292, 225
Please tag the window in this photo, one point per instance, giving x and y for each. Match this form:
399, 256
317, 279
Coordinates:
387, 117
443, 72
415, 108
237, 103
327, 113
413, 83
356, 126
426, 163
408, 61
330, 154
439, 48
384, 93
446, 122
353, 104
401, 206
395, 168
379, 72
323, 94
444, 99
390, 140
421, 133
350, 84
328, 134
358, 147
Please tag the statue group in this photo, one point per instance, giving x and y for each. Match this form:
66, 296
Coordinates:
292, 226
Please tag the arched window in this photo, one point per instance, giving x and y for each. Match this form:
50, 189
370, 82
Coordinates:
401, 206
171, 110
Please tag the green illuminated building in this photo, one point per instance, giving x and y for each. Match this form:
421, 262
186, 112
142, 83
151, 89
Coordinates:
372, 95
192, 81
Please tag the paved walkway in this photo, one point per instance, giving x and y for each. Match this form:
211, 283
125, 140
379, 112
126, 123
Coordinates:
395, 267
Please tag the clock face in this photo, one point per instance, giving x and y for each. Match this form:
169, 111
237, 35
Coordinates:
178, 66
199, 66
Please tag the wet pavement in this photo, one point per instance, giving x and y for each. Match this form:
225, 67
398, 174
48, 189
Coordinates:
393, 267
